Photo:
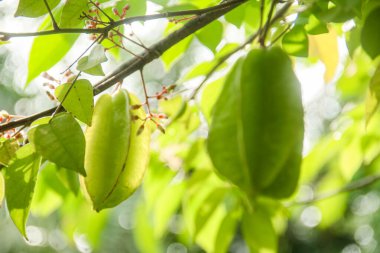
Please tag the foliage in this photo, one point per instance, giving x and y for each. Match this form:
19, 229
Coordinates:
266, 114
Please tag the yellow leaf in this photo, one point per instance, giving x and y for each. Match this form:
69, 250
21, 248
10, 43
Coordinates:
325, 48
1, 188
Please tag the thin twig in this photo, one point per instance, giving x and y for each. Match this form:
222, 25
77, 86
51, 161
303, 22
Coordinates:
55, 25
129, 39
134, 34
123, 47
262, 4
18, 131
266, 28
125, 21
145, 92
280, 35
353, 186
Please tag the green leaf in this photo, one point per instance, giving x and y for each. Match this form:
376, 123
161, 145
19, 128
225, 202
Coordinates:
296, 42
201, 3
171, 195
211, 35
209, 97
373, 98
71, 12
316, 26
258, 232
45, 199
370, 36
341, 11
96, 56
235, 16
203, 69
219, 229
257, 126
353, 40
145, 239
137, 7
95, 71
175, 52
41, 121
4, 42
61, 141
49, 174
210, 204
79, 101
70, 180
47, 51
34, 8
227, 231
160, 2
20, 180
7, 150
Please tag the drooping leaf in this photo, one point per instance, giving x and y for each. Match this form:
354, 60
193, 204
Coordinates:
79, 101
370, 36
20, 180
7, 150
258, 232
211, 35
61, 141
34, 8
296, 42
256, 132
71, 12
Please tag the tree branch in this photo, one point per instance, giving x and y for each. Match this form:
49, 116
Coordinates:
138, 63
353, 186
125, 21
